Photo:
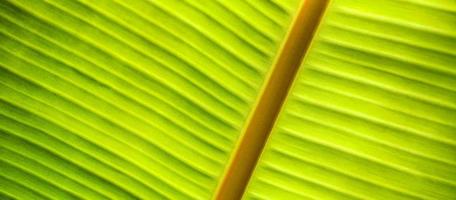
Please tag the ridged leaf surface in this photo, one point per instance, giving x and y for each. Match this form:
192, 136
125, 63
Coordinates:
128, 99
372, 113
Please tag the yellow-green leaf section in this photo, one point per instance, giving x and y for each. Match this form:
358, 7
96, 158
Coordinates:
372, 113
129, 99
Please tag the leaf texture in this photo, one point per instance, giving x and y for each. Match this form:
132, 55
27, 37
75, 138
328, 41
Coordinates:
128, 99
372, 112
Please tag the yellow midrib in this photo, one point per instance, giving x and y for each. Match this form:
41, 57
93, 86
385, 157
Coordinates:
269, 103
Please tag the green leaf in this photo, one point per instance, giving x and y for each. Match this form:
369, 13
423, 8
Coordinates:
117, 99
372, 114
128, 99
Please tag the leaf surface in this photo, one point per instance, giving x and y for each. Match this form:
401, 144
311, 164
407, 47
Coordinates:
128, 99
372, 112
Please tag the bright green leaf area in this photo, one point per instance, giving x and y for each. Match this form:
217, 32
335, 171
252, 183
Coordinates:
372, 114
128, 99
